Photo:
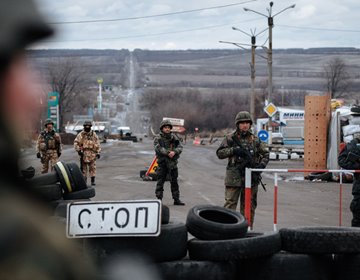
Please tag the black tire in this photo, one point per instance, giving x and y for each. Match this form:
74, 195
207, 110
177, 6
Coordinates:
49, 192
347, 267
77, 176
153, 176
165, 214
287, 266
142, 173
44, 179
209, 222
61, 208
82, 194
195, 270
64, 177
253, 245
321, 240
170, 245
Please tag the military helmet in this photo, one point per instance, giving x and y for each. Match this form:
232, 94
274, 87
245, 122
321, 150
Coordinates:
243, 116
165, 123
48, 121
87, 123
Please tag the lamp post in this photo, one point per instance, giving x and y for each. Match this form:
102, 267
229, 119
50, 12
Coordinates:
270, 18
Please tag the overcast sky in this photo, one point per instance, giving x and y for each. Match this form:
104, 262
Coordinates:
199, 24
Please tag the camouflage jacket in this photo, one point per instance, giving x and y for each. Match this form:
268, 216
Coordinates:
163, 145
235, 170
89, 144
48, 141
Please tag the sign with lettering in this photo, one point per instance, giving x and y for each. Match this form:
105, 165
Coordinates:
113, 218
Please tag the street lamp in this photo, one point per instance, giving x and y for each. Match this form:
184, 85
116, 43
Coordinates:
270, 18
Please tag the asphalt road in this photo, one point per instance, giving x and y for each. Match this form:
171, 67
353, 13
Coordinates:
201, 180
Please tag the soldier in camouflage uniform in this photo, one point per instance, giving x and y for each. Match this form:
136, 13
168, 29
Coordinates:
168, 149
48, 146
87, 145
242, 149
349, 158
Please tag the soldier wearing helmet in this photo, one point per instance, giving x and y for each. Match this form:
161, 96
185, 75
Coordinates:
242, 149
168, 149
87, 145
48, 146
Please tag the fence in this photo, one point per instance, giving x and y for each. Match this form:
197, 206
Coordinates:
249, 171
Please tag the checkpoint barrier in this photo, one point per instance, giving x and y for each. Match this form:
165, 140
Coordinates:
248, 172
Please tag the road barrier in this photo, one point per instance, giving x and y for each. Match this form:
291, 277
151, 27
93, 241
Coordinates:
248, 172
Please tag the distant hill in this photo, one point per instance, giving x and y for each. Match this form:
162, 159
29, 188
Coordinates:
215, 69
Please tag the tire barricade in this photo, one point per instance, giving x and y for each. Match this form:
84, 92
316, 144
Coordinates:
66, 183
255, 255
248, 176
329, 253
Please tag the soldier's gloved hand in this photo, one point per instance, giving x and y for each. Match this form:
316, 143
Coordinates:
80, 153
238, 151
98, 156
260, 165
38, 155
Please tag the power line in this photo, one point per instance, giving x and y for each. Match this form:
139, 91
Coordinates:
143, 35
319, 29
151, 16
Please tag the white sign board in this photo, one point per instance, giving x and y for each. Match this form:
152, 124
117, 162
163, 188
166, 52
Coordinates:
179, 122
113, 218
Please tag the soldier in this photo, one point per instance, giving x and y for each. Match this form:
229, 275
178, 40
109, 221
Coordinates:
243, 149
168, 149
87, 145
349, 158
48, 146
32, 247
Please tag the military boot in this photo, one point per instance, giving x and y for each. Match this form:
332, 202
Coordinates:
159, 195
177, 201
93, 181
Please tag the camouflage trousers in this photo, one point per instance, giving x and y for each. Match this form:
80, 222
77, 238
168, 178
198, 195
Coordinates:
232, 195
48, 160
88, 168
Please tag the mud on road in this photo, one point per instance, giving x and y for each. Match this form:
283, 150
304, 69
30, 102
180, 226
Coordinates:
201, 180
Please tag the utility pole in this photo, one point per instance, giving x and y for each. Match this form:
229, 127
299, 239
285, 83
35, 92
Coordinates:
270, 19
252, 67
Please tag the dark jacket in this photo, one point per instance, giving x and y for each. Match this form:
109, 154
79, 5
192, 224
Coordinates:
163, 144
349, 158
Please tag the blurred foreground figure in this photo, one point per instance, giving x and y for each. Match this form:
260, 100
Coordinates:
32, 246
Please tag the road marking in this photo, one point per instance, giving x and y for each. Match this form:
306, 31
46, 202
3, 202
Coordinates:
205, 198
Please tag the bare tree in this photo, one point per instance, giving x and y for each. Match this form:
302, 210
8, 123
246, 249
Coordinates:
65, 77
337, 77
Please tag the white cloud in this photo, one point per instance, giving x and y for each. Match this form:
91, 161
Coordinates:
305, 12
294, 27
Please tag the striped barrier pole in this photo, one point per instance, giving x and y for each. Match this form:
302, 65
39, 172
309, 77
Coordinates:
248, 195
248, 172
340, 200
275, 200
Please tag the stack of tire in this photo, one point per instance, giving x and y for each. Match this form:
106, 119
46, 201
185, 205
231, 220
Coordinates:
158, 251
66, 183
222, 241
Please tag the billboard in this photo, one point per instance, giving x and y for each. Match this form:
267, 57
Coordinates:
53, 108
